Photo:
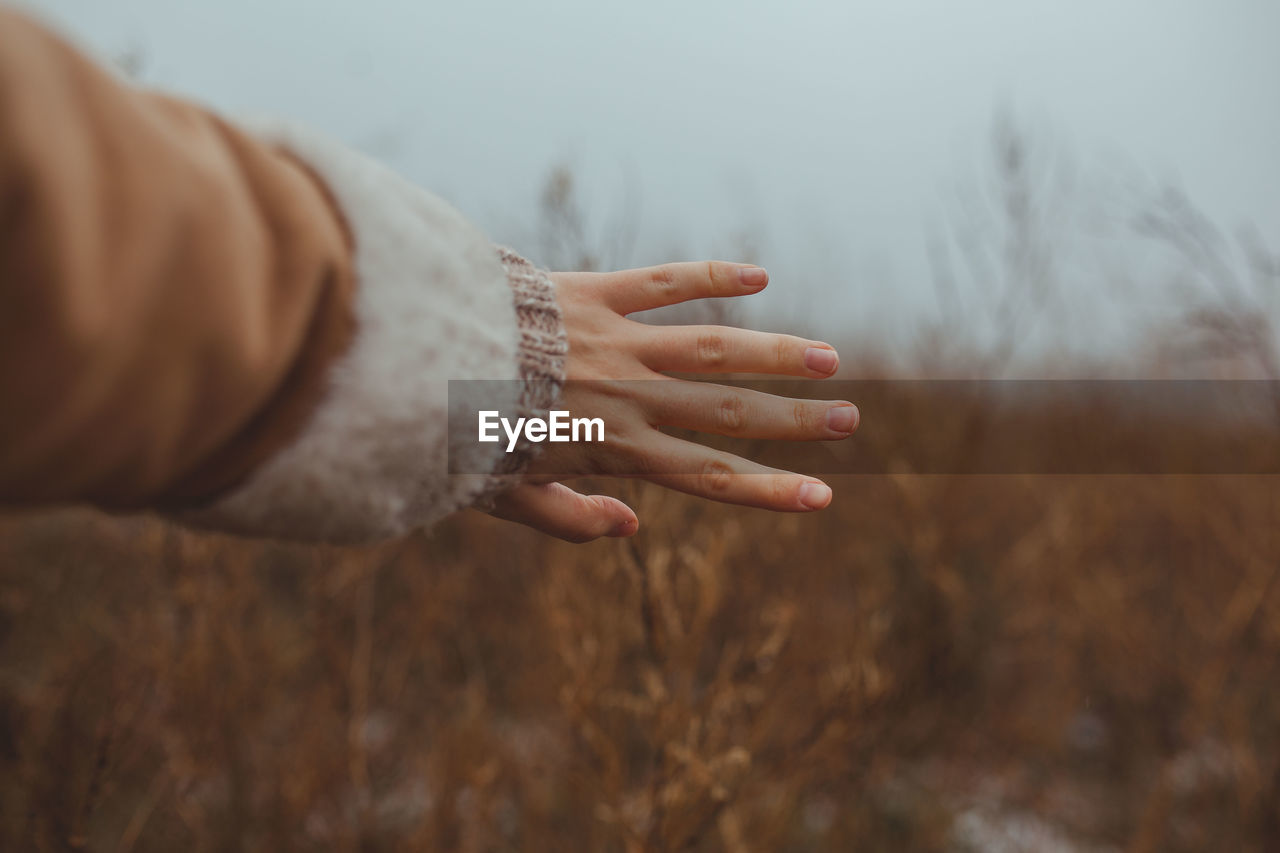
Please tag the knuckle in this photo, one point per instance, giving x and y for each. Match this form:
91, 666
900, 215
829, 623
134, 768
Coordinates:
713, 349
803, 417
781, 491
712, 277
664, 280
715, 477
720, 277
782, 351
731, 414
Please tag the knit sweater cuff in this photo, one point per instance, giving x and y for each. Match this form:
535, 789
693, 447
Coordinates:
543, 342
540, 358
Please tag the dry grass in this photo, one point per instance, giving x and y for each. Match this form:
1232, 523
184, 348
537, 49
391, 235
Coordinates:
1096, 654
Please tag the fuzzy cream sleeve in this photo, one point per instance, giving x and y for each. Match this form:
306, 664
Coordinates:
239, 324
434, 301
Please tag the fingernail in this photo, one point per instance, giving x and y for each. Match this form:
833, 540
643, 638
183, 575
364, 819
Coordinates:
821, 360
753, 276
815, 495
842, 418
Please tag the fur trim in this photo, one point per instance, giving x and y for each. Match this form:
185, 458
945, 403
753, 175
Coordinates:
432, 304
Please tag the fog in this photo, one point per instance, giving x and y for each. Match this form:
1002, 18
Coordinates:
830, 139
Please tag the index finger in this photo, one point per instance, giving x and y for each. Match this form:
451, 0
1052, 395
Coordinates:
655, 287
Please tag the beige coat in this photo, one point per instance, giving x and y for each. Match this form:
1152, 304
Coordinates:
250, 326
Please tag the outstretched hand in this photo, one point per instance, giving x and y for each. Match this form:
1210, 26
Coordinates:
607, 347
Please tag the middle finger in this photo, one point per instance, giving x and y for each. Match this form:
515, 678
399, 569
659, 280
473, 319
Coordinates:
724, 349
744, 413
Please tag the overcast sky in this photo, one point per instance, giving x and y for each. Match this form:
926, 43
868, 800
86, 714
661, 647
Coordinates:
837, 132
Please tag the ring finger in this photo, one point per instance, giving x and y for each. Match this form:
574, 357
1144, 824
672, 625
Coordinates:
719, 476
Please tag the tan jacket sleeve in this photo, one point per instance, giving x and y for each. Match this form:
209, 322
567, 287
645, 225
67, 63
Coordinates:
251, 327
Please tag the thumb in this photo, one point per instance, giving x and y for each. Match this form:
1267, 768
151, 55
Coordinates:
557, 510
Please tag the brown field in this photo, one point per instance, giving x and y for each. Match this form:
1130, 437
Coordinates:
936, 662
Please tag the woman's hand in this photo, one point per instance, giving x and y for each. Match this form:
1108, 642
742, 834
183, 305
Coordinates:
607, 352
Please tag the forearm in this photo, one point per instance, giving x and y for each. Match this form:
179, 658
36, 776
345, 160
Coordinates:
259, 324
